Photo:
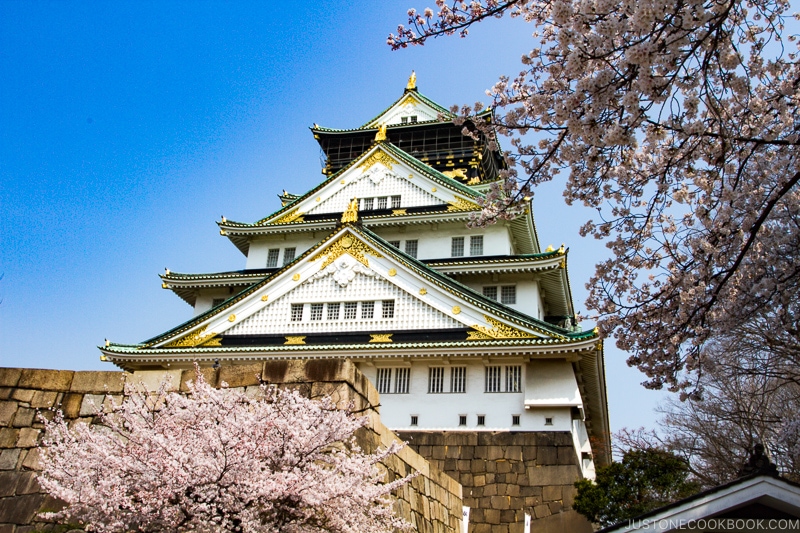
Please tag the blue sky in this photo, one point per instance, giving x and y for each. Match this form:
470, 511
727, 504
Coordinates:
128, 128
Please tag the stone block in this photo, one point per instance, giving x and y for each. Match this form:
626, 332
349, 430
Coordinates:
555, 507
560, 522
541, 511
209, 375
5, 392
24, 417
7, 411
31, 460
508, 516
23, 395
553, 475
8, 437
8, 483
9, 459
513, 453
491, 516
529, 453
23, 511
91, 404
71, 405
58, 380
28, 438
567, 455
9, 377
547, 455
151, 380
98, 382
551, 493
28, 483
500, 502
241, 375
44, 399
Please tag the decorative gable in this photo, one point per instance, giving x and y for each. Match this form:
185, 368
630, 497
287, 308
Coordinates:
408, 110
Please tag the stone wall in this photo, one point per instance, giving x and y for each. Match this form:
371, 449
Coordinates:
431, 501
507, 474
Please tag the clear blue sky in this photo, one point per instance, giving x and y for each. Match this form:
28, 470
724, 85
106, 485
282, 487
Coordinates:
128, 128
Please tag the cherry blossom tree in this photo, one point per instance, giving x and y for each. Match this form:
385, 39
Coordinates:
218, 460
678, 123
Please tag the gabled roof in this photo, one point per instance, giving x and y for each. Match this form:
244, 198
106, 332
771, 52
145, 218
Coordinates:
756, 494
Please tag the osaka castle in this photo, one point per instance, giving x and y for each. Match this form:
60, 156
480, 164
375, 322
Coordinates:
458, 328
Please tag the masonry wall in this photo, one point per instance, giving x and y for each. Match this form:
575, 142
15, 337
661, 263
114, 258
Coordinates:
431, 501
507, 474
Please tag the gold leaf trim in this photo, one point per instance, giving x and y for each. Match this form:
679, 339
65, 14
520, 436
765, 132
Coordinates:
292, 216
380, 337
378, 157
296, 277
265, 298
456, 173
398, 211
345, 244
501, 330
392, 272
423, 291
196, 338
459, 204
300, 339
477, 336
456, 310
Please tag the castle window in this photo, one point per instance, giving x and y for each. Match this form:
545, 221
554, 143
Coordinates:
350, 310
401, 379
413, 119
316, 311
367, 310
333, 311
458, 379
396, 244
403, 120
493, 378
387, 309
462, 420
382, 202
297, 313
217, 301
384, 380
481, 420
508, 294
395, 202
548, 421
411, 247
514, 420
272, 257
490, 292
457, 247
476, 245
514, 378
414, 420
435, 380
288, 255
367, 204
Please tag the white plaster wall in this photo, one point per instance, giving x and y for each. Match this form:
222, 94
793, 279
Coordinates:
441, 411
257, 256
206, 297
551, 381
528, 299
435, 239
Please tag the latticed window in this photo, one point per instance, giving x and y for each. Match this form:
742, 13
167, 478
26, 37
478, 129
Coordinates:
350, 310
333, 311
493, 381
384, 380
508, 294
316, 311
514, 420
435, 380
367, 310
217, 301
490, 292
382, 202
368, 204
401, 379
513, 378
272, 257
462, 420
476, 245
457, 247
458, 379
387, 309
288, 255
297, 313
396, 244
411, 247
395, 202
481, 420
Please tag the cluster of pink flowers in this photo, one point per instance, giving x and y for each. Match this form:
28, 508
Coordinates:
218, 460
678, 123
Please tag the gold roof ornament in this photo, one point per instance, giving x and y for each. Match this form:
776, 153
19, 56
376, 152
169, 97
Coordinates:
351, 213
381, 135
412, 81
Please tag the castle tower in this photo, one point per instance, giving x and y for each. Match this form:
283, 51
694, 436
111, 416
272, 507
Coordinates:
460, 330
